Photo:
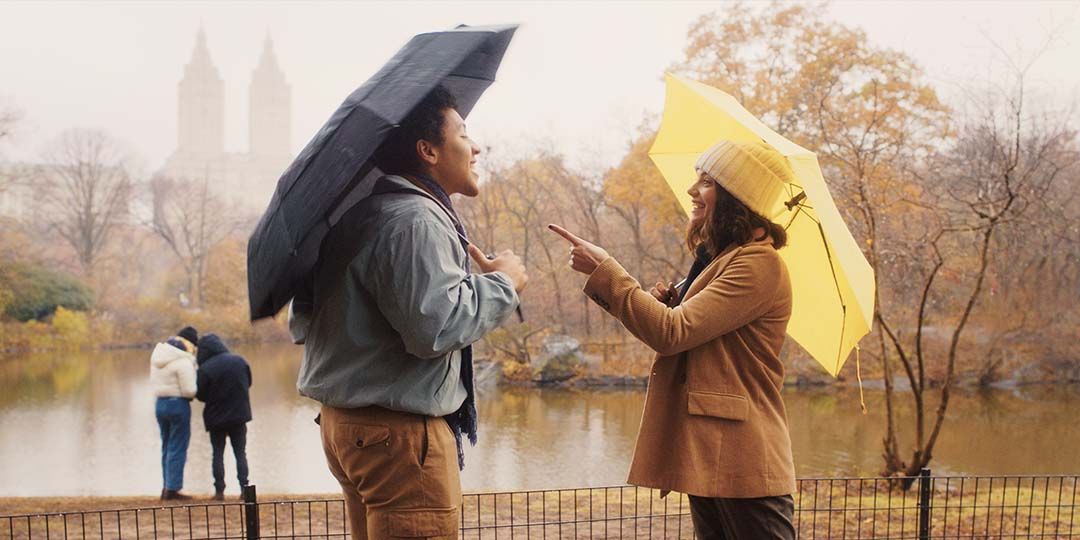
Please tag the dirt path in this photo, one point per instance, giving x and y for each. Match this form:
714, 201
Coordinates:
10, 506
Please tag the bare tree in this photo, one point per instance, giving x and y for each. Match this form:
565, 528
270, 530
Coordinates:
191, 220
86, 191
1004, 161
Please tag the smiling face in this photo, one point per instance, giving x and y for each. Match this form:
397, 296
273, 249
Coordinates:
453, 162
703, 197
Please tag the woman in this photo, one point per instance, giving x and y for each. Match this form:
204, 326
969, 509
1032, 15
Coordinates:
714, 425
172, 379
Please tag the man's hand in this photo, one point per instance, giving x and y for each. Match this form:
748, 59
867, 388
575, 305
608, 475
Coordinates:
506, 262
665, 293
584, 256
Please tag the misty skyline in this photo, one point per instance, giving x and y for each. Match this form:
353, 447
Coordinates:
580, 78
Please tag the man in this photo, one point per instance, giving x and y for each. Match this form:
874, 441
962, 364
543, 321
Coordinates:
224, 379
387, 340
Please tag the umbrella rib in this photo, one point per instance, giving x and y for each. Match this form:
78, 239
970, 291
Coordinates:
471, 78
800, 209
839, 295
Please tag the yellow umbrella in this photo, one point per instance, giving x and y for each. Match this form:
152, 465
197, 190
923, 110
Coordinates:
832, 283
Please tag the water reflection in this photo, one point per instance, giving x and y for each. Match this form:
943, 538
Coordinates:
84, 424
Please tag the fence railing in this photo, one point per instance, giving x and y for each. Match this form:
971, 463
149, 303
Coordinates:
941, 507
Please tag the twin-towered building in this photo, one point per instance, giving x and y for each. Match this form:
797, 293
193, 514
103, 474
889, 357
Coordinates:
247, 178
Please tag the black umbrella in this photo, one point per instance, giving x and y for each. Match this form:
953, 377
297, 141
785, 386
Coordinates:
334, 171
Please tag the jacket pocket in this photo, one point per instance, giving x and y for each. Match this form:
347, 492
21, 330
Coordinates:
363, 436
715, 404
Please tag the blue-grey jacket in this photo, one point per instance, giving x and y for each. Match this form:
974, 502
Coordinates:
393, 307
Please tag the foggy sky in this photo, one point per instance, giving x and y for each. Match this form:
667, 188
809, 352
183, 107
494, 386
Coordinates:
578, 78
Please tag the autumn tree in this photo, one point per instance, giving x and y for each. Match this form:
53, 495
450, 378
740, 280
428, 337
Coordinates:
227, 284
86, 188
874, 124
638, 195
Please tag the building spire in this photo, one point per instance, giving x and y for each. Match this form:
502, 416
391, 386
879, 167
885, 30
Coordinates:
200, 62
201, 104
268, 59
270, 106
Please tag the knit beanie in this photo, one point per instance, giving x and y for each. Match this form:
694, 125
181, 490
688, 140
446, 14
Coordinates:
190, 334
753, 172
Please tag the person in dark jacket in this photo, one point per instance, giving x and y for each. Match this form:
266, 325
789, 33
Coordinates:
223, 381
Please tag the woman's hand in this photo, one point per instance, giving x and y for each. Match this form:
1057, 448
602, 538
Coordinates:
584, 256
666, 294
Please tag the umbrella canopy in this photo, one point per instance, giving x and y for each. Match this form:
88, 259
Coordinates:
832, 283
334, 171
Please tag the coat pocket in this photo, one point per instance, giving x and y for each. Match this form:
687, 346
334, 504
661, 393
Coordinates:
715, 404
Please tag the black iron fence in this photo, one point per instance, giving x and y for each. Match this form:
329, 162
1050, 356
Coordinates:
940, 507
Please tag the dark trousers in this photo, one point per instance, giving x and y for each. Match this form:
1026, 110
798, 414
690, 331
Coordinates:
238, 435
743, 519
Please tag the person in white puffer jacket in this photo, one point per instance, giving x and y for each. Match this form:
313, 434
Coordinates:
172, 380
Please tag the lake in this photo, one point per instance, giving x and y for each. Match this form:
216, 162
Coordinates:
83, 424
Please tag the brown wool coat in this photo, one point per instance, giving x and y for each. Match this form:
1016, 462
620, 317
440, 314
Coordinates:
714, 423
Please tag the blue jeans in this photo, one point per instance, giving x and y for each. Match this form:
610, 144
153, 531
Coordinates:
238, 435
174, 421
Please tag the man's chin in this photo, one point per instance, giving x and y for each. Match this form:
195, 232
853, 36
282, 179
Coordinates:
471, 189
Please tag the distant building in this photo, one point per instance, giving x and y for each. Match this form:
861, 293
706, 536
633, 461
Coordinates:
246, 178
22, 190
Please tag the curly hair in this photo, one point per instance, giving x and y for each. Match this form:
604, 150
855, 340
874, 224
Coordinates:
731, 222
397, 154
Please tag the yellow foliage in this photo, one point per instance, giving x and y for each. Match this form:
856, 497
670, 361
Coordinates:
6, 296
636, 182
517, 372
71, 329
226, 280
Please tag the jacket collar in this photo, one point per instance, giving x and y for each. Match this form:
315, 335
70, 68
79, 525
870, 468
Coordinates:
720, 262
393, 182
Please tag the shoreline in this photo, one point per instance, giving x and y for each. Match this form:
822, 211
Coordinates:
18, 506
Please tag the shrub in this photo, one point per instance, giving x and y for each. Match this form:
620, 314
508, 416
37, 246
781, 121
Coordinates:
33, 292
71, 329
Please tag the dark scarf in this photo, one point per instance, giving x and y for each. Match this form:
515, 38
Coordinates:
702, 258
462, 420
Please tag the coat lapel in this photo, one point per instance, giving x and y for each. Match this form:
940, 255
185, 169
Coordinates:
716, 267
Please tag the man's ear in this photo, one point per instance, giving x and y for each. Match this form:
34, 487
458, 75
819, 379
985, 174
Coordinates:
427, 152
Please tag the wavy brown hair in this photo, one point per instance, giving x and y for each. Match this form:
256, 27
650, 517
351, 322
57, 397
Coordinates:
731, 222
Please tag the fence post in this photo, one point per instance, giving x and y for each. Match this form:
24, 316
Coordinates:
251, 512
924, 503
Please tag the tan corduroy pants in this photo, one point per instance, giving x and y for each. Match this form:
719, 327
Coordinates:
398, 471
